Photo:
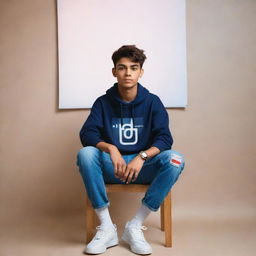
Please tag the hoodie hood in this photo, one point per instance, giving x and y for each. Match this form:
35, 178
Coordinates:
113, 94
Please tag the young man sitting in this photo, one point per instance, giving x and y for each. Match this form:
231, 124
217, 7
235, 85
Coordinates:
126, 139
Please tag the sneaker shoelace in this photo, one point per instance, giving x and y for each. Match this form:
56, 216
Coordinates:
138, 234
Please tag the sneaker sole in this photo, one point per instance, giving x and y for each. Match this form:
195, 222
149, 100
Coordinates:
110, 244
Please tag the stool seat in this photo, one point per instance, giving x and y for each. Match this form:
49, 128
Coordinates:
166, 218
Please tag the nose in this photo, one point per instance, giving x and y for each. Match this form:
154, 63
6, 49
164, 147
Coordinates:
128, 72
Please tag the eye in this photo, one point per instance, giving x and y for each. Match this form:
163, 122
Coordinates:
134, 68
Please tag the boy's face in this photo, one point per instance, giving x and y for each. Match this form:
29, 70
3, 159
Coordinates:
127, 73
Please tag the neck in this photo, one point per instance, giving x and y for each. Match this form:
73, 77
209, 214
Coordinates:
128, 94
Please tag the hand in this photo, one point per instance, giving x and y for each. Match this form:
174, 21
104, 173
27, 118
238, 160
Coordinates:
118, 162
133, 169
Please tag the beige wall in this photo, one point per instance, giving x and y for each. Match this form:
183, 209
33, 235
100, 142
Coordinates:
216, 132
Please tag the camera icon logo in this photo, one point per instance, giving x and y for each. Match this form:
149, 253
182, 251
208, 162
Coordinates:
128, 135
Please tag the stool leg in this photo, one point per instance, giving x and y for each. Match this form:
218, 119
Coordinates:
162, 216
90, 220
167, 217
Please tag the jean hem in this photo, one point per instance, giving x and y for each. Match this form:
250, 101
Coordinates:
149, 207
101, 206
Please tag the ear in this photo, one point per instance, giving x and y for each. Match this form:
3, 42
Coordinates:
141, 72
114, 72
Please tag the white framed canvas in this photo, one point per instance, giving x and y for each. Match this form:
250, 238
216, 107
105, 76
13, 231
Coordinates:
89, 31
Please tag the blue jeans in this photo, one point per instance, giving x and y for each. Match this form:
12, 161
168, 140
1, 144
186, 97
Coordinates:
97, 169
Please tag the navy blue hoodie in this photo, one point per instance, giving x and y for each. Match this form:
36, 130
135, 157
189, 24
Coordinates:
131, 127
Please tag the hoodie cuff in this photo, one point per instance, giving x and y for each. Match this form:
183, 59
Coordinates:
96, 141
160, 145
92, 141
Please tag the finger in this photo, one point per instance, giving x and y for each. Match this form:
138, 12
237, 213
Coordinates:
115, 170
119, 170
130, 177
118, 173
126, 173
123, 168
135, 176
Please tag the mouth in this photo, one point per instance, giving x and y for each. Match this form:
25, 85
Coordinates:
128, 80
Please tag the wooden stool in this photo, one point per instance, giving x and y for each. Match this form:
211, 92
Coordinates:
166, 218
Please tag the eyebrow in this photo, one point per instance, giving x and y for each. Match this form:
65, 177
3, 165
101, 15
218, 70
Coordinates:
133, 65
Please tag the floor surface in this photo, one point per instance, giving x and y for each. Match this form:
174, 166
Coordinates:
56, 236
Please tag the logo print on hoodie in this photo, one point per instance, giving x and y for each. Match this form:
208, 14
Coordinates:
128, 130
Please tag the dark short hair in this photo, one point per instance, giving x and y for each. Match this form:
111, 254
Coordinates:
131, 52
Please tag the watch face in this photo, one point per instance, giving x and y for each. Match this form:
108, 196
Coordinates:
144, 155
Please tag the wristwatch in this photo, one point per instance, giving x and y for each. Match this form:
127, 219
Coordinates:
143, 155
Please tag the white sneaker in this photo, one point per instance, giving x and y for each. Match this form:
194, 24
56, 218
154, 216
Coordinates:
133, 235
102, 240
